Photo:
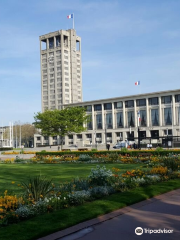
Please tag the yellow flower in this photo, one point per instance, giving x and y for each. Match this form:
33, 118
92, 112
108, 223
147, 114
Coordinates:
13, 182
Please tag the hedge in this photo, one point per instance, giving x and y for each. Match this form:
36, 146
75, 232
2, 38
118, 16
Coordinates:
5, 149
124, 153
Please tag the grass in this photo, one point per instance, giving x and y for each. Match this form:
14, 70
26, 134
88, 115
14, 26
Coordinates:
58, 172
48, 223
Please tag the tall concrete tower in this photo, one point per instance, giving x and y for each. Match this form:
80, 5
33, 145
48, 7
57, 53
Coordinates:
61, 75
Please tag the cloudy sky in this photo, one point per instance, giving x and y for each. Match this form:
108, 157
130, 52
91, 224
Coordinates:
123, 41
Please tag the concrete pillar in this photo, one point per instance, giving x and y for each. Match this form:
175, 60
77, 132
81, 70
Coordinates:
147, 113
103, 117
135, 114
113, 116
93, 118
160, 112
124, 117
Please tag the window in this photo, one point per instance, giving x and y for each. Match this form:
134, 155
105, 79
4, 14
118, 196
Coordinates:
58, 43
89, 123
67, 95
38, 138
55, 138
141, 102
79, 136
46, 138
98, 121
97, 107
167, 116
88, 135
131, 119
51, 75
58, 52
58, 62
143, 118
177, 98
51, 42
154, 117
44, 76
67, 84
119, 119
66, 79
58, 69
129, 103
65, 62
58, 79
45, 82
70, 136
107, 106
51, 70
88, 108
45, 98
44, 71
66, 90
98, 135
109, 135
166, 99
118, 105
109, 120
153, 101
52, 96
65, 51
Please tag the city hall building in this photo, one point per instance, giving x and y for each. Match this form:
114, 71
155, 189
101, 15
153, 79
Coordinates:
153, 116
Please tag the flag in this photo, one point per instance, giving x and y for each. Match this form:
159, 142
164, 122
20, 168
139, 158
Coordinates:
70, 16
137, 83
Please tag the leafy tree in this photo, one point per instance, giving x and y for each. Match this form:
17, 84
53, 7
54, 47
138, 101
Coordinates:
61, 122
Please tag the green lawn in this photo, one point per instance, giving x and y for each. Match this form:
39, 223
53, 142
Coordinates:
58, 172
45, 224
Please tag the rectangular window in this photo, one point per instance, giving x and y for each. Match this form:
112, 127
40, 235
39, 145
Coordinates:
153, 101
141, 102
89, 123
129, 103
131, 119
107, 106
38, 138
88, 108
51, 42
119, 120
118, 105
109, 120
79, 136
98, 135
97, 107
142, 118
58, 43
154, 117
98, 121
177, 98
167, 116
166, 99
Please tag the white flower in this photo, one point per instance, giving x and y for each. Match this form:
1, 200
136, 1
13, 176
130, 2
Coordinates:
64, 198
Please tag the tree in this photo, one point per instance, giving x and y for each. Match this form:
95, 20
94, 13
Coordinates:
61, 122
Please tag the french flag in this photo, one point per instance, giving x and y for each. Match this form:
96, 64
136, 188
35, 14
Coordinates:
137, 83
70, 16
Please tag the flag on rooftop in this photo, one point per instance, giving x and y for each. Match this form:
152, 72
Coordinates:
137, 83
70, 16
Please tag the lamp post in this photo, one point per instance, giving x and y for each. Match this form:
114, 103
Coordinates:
167, 136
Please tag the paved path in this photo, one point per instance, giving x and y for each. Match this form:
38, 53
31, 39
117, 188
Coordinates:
161, 212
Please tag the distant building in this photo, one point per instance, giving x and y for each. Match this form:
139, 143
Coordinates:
61, 77
117, 119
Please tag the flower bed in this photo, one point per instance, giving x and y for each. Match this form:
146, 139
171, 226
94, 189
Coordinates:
41, 195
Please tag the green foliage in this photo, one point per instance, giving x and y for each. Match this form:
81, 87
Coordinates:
94, 150
113, 156
61, 122
99, 176
84, 157
171, 163
124, 149
158, 149
37, 187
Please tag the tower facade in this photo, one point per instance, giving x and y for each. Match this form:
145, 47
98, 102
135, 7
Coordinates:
61, 74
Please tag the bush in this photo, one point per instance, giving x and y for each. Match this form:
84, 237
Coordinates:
159, 149
94, 150
84, 157
113, 156
37, 188
99, 176
171, 163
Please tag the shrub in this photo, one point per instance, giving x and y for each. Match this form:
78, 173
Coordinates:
159, 170
37, 187
124, 149
159, 149
171, 163
99, 176
84, 157
94, 150
113, 156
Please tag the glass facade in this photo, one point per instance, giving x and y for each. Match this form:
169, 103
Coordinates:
154, 117
89, 123
119, 120
153, 101
167, 116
